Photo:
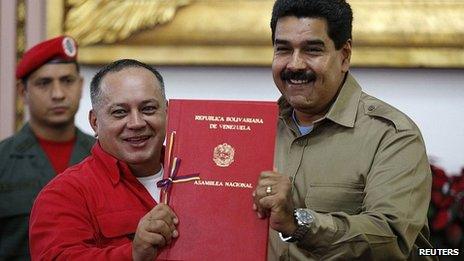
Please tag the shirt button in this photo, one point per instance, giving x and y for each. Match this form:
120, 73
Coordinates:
371, 108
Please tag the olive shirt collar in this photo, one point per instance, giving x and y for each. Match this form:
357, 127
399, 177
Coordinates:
343, 111
25, 139
26, 143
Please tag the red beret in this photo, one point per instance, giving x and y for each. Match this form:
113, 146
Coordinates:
63, 47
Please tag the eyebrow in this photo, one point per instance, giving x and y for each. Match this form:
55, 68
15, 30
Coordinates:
279, 41
150, 100
122, 104
68, 76
308, 42
46, 77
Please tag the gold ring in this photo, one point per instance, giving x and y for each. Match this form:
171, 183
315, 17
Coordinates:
268, 190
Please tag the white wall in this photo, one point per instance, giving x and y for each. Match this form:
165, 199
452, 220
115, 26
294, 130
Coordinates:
434, 99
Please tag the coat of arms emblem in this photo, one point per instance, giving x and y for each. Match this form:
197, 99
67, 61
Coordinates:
69, 46
223, 155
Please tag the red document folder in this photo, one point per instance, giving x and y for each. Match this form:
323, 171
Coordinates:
228, 144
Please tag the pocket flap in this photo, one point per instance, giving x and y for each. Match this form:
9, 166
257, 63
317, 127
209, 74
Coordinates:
335, 197
120, 223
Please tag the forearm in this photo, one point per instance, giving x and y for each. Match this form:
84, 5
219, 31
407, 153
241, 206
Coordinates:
68, 251
367, 235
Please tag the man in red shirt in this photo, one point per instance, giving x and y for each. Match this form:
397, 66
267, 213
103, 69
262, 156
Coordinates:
105, 208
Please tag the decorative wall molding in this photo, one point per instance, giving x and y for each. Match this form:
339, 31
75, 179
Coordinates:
7, 67
21, 13
387, 33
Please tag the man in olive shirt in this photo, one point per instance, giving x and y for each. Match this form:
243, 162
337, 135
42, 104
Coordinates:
352, 179
50, 85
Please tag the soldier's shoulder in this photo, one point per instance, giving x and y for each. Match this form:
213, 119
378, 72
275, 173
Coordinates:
86, 139
7, 145
376, 108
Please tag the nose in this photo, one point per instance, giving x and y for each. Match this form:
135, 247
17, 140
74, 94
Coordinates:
57, 92
136, 120
297, 62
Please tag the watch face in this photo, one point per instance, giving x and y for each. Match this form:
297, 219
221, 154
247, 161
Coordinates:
304, 216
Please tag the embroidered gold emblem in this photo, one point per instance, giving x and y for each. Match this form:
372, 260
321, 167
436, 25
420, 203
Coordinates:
223, 155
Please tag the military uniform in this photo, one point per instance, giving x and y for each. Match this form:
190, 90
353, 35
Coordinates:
24, 170
364, 175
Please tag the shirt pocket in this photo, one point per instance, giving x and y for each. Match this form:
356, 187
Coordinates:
335, 197
118, 228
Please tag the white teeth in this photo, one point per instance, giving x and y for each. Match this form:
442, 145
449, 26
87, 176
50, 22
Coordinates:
292, 81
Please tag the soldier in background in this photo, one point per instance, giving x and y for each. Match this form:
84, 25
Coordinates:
50, 85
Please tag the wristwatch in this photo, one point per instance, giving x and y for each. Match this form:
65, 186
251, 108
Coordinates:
304, 220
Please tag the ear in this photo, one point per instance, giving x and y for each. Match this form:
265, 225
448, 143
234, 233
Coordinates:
21, 90
346, 56
93, 121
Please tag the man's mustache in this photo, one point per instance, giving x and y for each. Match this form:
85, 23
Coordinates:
298, 75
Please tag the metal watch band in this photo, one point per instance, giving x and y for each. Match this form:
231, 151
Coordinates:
300, 232
302, 228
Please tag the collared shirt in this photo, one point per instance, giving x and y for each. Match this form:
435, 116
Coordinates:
364, 175
90, 212
24, 170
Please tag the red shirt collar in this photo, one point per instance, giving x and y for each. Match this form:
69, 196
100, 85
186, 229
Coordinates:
113, 166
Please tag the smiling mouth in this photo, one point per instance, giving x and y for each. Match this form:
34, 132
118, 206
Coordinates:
139, 140
298, 78
298, 82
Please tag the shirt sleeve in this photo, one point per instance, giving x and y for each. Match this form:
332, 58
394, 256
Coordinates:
394, 209
61, 228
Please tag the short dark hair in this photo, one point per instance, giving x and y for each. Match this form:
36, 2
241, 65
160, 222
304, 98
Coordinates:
117, 66
337, 13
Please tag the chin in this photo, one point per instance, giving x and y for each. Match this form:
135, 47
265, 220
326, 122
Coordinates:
139, 159
134, 159
298, 101
60, 124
